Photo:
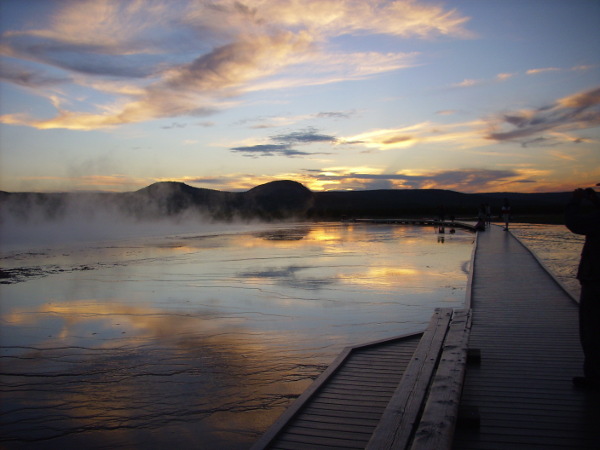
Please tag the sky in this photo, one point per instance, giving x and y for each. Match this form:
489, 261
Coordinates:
467, 95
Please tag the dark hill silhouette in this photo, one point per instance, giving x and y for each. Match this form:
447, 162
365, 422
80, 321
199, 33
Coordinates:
169, 198
275, 201
419, 202
278, 200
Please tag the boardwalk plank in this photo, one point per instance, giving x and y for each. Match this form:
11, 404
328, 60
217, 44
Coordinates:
396, 425
336, 416
347, 402
436, 426
526, 328
357, 427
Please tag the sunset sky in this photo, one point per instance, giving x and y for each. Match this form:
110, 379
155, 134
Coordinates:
468, 95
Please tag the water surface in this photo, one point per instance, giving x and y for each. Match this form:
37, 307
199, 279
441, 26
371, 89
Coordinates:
202, 340
557, 248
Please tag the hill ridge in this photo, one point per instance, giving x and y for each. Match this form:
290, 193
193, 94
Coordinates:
281, 200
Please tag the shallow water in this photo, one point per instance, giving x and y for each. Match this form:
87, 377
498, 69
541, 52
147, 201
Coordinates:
201, 341
557, 248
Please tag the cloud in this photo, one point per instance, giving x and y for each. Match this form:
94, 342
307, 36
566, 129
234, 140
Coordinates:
283, 144
334, 115
470, 82
28, 78
174, 125
504, 76
463, 180
574, 112
274, 121
269, 150
446, 112
538, 71
75, 181
461, 135
194, 59
307, 136
558, 69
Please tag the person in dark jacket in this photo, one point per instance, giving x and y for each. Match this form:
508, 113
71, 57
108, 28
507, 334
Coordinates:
582, 216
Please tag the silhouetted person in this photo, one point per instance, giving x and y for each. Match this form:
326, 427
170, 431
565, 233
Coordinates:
506, 213
583, 217
441, 218
480, 225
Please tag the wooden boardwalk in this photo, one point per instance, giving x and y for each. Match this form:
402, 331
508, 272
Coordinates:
343, 406
470, 226
526, 327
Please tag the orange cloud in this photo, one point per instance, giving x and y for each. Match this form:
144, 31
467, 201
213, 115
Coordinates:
269, 45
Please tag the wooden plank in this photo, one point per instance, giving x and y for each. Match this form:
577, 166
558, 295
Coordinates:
436, 427
396, 426
311, 441
341, 435
336, 407
375, 378
358, 427
340, 415
295, 407
355, 397
526, 328
342, 388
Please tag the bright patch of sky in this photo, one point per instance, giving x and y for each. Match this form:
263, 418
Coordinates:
470, 95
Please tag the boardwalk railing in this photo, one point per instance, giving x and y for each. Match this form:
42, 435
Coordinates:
426, 222
421, 412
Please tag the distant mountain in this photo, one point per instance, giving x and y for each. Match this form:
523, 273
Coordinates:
428, 202
276, 200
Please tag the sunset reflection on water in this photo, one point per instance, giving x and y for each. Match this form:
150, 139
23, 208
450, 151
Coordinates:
203, 340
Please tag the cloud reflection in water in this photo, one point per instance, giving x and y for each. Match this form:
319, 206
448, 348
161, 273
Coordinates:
190, 340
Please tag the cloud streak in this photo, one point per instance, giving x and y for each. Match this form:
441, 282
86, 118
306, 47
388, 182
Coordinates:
283, 144
574, 112
462, 180
269, 150
461, 134
170, 64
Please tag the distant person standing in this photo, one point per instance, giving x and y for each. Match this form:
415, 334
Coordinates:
506, 213
582, 216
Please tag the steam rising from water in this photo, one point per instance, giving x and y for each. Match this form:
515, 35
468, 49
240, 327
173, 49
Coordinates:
41, 220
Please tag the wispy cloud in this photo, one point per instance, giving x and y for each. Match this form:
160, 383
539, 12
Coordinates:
28, 78
558, 69
306, 136
269, 150
574, 112
544, 70
282, 144
276, 121
461, 135
470, 82
115, 182
463, 180
192, 60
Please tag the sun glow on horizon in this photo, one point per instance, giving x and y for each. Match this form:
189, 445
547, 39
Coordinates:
406, 94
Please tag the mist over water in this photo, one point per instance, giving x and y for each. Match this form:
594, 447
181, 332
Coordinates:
30, 221
202, 338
